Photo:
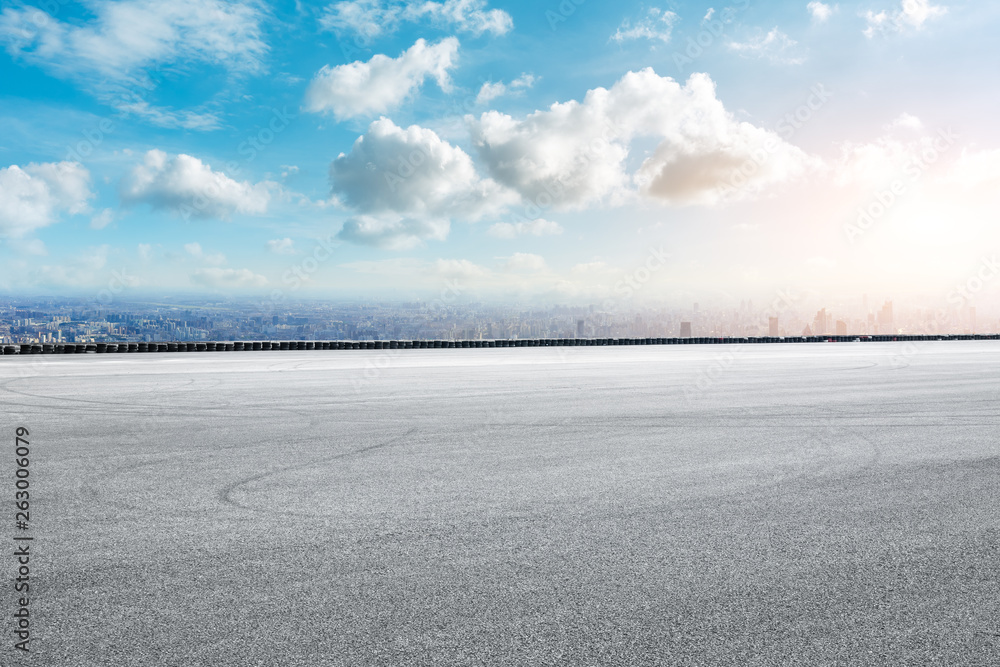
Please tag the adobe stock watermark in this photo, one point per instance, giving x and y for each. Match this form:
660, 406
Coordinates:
116, 285
786, 128
555, 186
963, 293
561, 14
726, 360
250, 147
300, 272
884, 200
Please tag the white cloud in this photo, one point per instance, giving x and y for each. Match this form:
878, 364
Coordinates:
195, 250
490, 90
28, 247
911, 14
775, 46
185, 185
366, 18
228, 278
371, 18
905, 156
283, 246
458, 268
411, 173
145, 251
523, 262
382, 83
393, 232
538, 227
974, 168
573, 154
33, 196
657, 24
907, 121
821, 12
113, 53
102, 219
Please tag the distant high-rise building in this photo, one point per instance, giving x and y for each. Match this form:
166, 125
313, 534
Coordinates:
841, 328
685, 329
821, 323
772, 326
885, 316
579, 328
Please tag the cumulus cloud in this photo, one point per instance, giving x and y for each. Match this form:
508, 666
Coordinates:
574, 153
906, 156
185, 185
228, 278
283, 246
657, 25
821, 12
911, 14
124, 41
382, 83
774, 45
393, 232
523, 262
490, 90
371, 18
411, 173
538, 227
33, 196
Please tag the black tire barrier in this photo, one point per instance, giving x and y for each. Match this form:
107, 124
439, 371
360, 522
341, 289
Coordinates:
79, 348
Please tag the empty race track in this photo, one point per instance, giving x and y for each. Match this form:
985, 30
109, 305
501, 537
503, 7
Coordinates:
692, 505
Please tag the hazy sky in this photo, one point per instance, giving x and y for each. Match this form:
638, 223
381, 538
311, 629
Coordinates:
567, 150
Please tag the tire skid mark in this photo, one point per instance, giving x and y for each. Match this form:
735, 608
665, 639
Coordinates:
226, 494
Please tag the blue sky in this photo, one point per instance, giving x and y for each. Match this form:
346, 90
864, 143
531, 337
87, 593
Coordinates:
544, 150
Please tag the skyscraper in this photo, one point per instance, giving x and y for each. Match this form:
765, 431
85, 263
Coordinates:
685, 330
772, 326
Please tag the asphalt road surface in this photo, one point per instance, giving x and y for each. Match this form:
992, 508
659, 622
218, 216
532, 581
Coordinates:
700, 505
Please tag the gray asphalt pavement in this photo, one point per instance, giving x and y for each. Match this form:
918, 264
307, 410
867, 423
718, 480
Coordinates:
696, 505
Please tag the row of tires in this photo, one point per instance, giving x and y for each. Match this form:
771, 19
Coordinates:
237, 346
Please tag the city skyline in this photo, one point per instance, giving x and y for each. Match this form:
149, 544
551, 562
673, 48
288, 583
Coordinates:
56, 321
544, 152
